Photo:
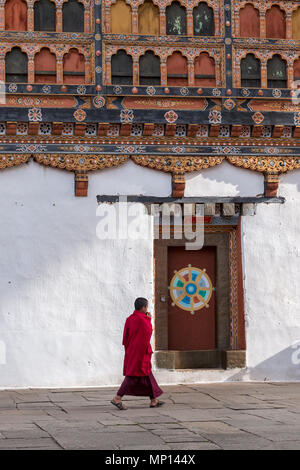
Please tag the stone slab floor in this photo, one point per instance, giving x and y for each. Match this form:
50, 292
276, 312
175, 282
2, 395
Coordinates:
212, 416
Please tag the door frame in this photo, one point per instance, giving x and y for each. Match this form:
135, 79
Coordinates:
230, 322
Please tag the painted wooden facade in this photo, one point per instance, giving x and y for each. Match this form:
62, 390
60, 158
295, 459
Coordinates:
176, 86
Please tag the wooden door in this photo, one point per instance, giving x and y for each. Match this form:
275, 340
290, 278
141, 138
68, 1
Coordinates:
191, 277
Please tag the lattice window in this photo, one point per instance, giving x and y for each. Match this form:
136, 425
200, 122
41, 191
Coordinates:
203, 19
2, 128
224, 131
180, 131
159, 130
113, 130
91, 129
250, 71
22, 128
149, 67
136, 129
266, 131
67, 128
45, 128
16, 66
287, 131
202, 131
246, 131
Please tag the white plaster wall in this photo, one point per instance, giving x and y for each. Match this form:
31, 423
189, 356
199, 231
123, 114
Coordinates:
65, 294
224, 180
271, 246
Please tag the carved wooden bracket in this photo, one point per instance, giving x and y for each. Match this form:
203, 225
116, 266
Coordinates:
81, 184
271, 184
178, 185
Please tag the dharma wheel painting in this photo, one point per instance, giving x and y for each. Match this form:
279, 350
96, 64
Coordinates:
191, 289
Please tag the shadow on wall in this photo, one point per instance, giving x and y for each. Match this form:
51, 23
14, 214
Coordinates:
224, 180
283, 366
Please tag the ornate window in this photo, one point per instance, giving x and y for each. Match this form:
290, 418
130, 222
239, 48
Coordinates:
120, 18
73, 16
275, 23
297, 69
121, 68
44, 16
73, 67
249, 22
204, 70
148, 14
203, 19
176, 19
149, 69
277, 76
45, 67
16, 66
296, 23
16, 15
250, 71
177, 70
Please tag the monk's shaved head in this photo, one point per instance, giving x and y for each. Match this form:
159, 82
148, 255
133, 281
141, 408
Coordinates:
140, 302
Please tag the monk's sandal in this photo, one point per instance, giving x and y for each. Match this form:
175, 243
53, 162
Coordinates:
159, 403
119, 405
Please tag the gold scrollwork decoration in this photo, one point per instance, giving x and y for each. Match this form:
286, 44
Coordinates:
176, 165
80, 162
266, 164
13, 159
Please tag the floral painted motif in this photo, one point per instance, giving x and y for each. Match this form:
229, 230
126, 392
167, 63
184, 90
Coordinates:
229, 104
150, 90
178, 149
79, 115
245, 92
216, 92
81, 89
32, 148
99, 101
184, 91
35, 114
118, 89
276, 93
131, 148
98, 69
215, 117
46, 89
171, 116
12, 87
258, 118
81, 148
297, 119
126, 116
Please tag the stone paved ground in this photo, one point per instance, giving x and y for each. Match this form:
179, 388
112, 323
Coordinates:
212, 416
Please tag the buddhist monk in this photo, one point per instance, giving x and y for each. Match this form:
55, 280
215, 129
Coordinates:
139, 380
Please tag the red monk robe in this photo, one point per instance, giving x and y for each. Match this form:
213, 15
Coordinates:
136, 339
139, 380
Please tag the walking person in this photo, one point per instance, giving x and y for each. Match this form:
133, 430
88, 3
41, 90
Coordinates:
139, 380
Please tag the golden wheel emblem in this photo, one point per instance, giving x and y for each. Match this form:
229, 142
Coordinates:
191, 289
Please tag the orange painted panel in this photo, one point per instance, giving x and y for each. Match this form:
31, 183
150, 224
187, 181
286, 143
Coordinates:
45, 61
297, 69
16, 15
188, 331
204, 65
74, 62
296, 24
275, 23
120, 18
177, 65
148, 18
249, 22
